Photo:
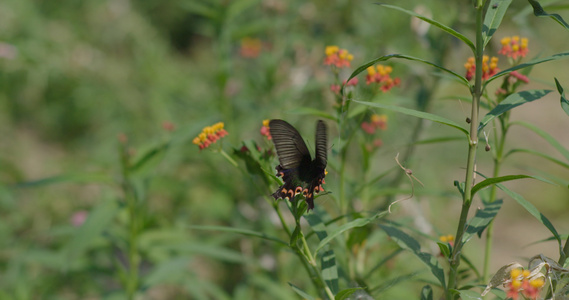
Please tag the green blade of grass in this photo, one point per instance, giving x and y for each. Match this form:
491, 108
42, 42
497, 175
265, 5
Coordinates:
443, 27
546, 136
407, 57
416, 113
494, 180
536, 153
494, 15
240, 231
512, 101
538, 11
405, 241
525, 65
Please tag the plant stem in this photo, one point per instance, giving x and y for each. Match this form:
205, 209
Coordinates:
312, 262
471, 161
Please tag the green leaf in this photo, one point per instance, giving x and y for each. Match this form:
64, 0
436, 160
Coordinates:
536, 153
407, 242
353, 224
494, 180
533, 211
427, 293
97, 222
391, 282
167, 271
328, 258
150, 159
344, 294
512, 101
481, 219
300, 292
445, 28
525, 65
416, 113
68, 178
538, 11
387, 57
441, 139
494, 15
240, 231
312, 112
564, 101
546, 136
445, 250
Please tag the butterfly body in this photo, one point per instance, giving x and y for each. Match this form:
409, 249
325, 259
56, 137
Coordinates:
300, 173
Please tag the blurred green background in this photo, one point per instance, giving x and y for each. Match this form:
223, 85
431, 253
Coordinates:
74, 75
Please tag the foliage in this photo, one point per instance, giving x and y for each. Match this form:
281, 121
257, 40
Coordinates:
136, 163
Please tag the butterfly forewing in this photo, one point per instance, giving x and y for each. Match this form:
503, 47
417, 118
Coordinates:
291, 149
321, 144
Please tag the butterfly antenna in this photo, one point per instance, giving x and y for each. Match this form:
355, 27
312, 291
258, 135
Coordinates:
409, 174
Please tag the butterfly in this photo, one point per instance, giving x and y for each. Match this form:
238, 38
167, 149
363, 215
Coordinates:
300, 174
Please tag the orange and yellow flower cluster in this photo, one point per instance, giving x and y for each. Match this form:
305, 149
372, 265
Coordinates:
521, 283
449, 238
335, 56
210, 135
265, 130
514, 47
376, 122
382, 75
489, 67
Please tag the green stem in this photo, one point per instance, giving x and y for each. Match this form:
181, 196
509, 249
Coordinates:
471, 161
312, 262
231, 160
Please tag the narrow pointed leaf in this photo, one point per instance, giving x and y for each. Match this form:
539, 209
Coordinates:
564, 101
300, 292
481, 219
540, 12
345, 294
416, 113
494, 180
407, 242
150, 159
328, 258
445, 28
407, 57
512, 101
546, 136
494, 15
533, 211
353, 224
540, 154
527, 64
469, 295
240, 231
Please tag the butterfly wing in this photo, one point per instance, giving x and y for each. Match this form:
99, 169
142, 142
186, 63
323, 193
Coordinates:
291, 149
321, 144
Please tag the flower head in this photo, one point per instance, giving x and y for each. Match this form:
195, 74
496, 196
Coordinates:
210, 135
381, 75
514, 47
376, 122
335, 56
522, 282
449, 238
265, 130
489, 67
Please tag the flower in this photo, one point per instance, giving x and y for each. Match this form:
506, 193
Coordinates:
353, 82
521, 282
488, 69
381, 75
376, 122
210, 135
79, 217
250, 47
514, 47
449, 238
168, 126
265, 130
515, 75
337, 57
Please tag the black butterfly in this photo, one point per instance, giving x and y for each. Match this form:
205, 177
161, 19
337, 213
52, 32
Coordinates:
300, 173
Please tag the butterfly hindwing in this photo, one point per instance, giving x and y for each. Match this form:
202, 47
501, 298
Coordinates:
321, 144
